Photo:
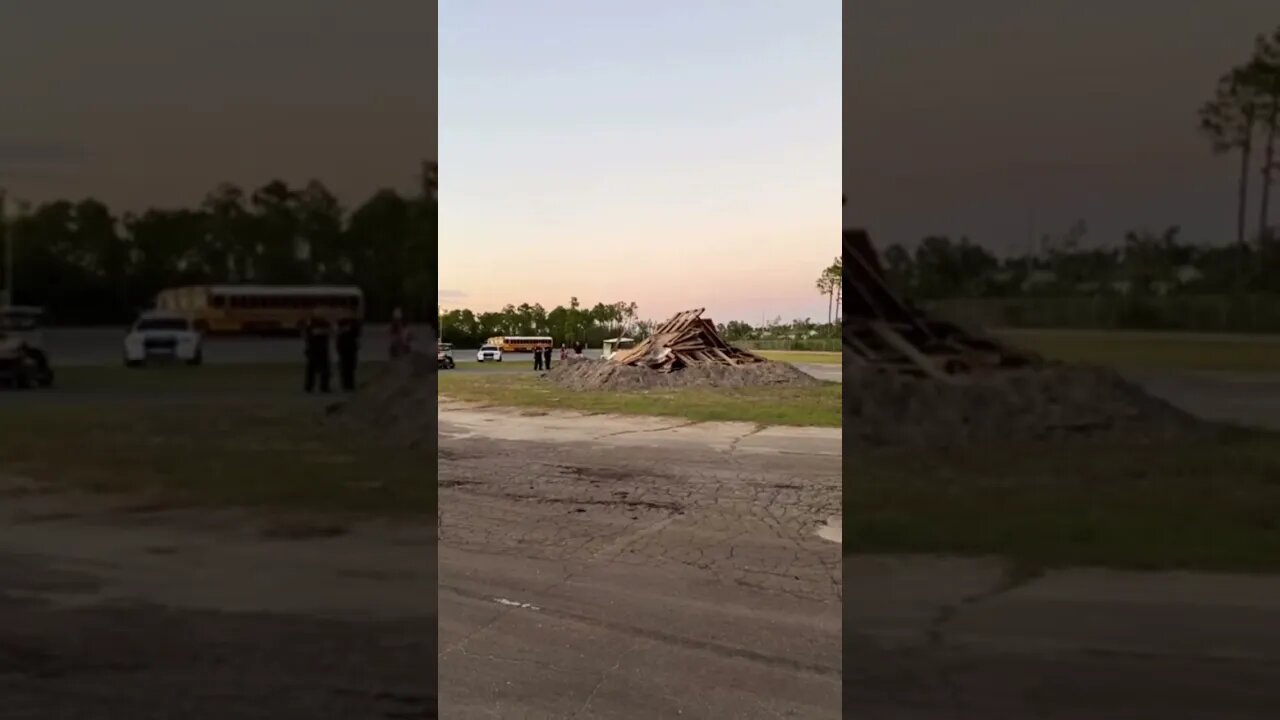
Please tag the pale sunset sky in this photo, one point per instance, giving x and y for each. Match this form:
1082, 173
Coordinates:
677, 153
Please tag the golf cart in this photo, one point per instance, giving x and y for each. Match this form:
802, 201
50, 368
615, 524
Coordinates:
23, 360
444, 356
614, 345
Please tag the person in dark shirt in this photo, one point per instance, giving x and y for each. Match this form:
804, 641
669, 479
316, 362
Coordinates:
317, 340
399, 335
537, 359
546, 357
348, 347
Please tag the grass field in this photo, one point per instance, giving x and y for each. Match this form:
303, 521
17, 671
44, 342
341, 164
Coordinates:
1211, 505
1151, 350
230, 435
276, 379
813, 406
801, 356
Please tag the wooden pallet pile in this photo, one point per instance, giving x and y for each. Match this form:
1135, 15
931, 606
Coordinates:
881, 330
686, 339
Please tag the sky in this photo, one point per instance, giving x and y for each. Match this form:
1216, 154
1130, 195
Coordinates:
672, 153
152, 103
1006, 120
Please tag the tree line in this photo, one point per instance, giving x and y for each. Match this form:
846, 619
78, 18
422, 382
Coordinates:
565, 324
1243, 111
86, 264
575, 323
1144, 264
830, 287
1242, 116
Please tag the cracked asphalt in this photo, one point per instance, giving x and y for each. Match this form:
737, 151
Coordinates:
636, 568
928, 638
107, 612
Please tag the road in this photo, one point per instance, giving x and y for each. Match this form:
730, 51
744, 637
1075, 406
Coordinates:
935, 638
122, 609
469, 355
1179, 336
78, 347
580, 578
1246, 399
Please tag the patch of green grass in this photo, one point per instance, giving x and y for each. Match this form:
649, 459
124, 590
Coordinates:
801, 356
1164, 351
1209, 504
266, 447
813, 406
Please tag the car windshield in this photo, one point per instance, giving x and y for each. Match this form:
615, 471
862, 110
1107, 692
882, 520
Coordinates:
177, 324
488, 348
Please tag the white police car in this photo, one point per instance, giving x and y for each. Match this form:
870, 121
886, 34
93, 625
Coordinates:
489, 352
163, 337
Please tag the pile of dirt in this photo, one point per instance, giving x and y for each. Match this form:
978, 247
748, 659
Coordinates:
1045, 403
605, 375
399, 403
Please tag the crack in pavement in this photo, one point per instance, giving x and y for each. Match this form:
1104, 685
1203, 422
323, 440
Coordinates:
732, 524
603, 677
657, 636
936, 631
1009, 581
646, 504
733, 446
518, 661
646, 430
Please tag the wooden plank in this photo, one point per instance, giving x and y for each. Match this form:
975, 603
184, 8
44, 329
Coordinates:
919, 359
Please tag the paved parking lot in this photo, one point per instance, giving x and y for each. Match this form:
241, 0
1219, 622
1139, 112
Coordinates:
636, 568
73, 347
110, 609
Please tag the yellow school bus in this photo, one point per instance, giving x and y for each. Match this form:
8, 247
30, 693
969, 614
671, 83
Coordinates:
254, 309
519, 343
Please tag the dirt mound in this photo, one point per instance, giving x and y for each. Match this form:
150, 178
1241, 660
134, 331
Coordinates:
604, 375
1046, 403
399, 403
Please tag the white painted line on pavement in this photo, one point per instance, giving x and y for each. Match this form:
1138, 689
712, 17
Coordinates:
513, 603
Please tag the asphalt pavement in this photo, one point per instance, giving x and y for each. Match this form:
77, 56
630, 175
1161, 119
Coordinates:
931, 638
1242, 398
119, 608
79, 347
580, 578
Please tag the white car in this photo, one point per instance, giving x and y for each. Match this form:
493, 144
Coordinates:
165, 337
489, 352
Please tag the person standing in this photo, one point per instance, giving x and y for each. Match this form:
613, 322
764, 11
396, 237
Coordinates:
537, 359
399, 335
348, 346
317, 353
546, 360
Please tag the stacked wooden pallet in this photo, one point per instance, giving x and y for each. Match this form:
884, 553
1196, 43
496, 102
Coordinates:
684, 340
883, 331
